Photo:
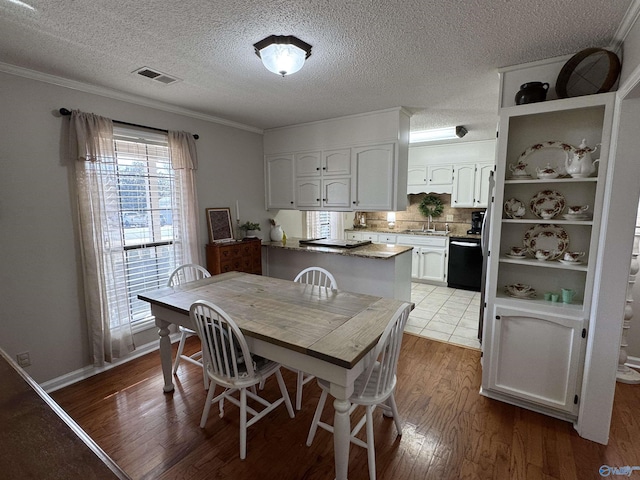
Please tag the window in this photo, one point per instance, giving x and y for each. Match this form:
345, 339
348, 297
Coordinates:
148, 198
320, 224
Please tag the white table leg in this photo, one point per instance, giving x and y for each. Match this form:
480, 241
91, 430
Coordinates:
165, 354
341, 434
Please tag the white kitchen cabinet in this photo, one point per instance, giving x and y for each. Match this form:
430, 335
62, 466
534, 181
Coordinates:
483, 173
279, 179
353, 236
373, 186
373, 237
336, 162
369, 149
388, 239
429, 257
464, 177
541, 337
329, 193
308, 164
417, 179
536, 357
471, 185
440, 178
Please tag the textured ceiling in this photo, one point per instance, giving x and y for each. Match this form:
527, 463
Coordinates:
437, 58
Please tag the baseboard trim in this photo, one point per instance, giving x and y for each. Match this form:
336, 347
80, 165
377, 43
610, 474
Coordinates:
89, 371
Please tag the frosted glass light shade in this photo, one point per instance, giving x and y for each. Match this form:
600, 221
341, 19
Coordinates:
282, 55
435, 134
282, 59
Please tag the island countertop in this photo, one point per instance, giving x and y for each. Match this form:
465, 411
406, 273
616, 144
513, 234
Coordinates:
372, 250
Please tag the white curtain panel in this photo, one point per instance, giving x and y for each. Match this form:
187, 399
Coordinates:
91, 139
184, 160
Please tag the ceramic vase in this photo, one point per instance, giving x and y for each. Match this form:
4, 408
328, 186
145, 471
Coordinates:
276, 233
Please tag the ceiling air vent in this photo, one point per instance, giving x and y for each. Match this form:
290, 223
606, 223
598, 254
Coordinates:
156, 76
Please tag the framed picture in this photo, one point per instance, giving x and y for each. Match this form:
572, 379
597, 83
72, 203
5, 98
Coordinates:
219, 222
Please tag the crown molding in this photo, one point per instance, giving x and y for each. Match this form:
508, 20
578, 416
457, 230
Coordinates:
117, 95
625, 26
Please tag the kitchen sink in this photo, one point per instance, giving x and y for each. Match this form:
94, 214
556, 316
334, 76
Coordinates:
427, 232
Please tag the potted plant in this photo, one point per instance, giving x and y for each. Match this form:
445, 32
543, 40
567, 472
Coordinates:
250, 229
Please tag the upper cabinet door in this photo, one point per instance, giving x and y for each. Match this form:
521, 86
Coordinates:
308, 193
279, 177
336, 162
373, 177
463, 186
482, 192
307, 164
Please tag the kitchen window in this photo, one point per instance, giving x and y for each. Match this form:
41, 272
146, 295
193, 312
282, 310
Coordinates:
321, 224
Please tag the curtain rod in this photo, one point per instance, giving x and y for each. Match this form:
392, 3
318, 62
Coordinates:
66, 112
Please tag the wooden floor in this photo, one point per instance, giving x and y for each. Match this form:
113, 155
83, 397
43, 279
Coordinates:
450, 431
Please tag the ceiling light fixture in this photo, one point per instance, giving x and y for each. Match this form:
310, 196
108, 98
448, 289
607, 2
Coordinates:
282, 54
22, 4
435, 134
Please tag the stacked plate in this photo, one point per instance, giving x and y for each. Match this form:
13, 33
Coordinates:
520, 290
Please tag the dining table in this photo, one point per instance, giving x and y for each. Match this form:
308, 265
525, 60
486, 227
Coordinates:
327, 333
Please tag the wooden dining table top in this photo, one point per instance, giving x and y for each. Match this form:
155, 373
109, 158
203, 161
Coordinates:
337, 326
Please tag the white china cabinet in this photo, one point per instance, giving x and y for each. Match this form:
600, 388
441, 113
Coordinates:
533, 346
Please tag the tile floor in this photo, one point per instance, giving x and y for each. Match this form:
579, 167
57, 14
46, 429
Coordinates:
445, 314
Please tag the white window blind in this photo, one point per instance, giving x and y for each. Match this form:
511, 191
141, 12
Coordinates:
148, 200
320, 224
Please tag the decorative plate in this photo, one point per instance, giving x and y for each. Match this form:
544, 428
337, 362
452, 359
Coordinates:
520, 291
514, 208
516, 256
547, 204
547, 153
546, 237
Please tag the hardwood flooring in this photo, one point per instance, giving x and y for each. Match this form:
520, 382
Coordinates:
450, 431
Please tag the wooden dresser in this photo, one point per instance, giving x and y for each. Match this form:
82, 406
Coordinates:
239, 256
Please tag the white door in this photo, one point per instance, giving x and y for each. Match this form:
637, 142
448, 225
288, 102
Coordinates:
279, 179
308, 193
481, 196
432, 264
373, 177
463, 186
307, 164
336, 162
536, 357
336, 192
417, 176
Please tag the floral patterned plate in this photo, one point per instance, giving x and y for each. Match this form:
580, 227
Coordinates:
547, 153
547, 237
514, 208
547, 204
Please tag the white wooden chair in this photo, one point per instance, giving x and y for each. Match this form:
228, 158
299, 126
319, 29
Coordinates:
319, 277
188, 272
229, 363
374, 387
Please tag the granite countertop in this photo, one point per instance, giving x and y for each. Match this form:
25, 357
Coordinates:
372, 250
404, 232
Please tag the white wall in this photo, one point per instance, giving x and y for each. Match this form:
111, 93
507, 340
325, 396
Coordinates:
41, 300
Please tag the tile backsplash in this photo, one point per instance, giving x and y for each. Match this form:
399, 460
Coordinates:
412, 219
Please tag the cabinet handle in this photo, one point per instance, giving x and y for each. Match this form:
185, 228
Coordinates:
324, 168
317, 199
497, 317
317, 168
324, 199
354, 202
291, 202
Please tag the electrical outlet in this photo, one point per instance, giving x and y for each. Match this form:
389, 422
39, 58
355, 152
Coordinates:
449, 218
24, 360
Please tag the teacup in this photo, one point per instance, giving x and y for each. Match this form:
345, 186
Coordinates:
572, 256
517, 251
543, 254
547, 213
577, 209
518, 169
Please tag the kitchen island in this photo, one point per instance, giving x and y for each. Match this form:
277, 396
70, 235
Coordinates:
373, 269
